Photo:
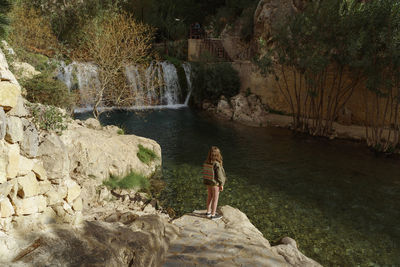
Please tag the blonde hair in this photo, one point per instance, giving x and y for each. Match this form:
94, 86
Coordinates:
214, 154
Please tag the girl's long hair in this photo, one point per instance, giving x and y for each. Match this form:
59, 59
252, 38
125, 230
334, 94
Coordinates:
214, 154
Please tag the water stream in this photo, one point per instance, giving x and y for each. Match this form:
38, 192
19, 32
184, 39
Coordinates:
337, 200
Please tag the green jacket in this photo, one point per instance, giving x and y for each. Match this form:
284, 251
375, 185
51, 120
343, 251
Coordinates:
219, 175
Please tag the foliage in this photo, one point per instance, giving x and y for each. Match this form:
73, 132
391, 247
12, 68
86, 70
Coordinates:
4, 9
146, 155
311, 58
380, 39
132, 180
49, 118
45, 89
211, 81
31, 31
112, 43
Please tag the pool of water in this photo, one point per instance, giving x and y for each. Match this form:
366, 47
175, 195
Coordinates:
335, 198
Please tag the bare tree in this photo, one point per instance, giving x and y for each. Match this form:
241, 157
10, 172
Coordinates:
112, 44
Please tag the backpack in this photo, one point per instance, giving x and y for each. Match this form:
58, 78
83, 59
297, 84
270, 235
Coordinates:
208, 172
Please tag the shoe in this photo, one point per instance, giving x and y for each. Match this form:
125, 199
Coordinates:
208, 214
215, 217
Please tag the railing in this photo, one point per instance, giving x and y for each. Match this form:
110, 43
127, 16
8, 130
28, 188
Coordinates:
215, 48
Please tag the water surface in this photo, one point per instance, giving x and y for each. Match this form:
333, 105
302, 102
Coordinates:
335, 198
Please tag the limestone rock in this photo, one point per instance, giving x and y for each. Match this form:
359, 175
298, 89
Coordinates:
224, 109
9, 94
93, 124
6, 209
28, 185
14, 131
292, 255
44, 187
24, 70
102, 244
25, 166
30, 205
268, 14
77, 205
5, 189
231, 241
19, 110
5, 73
39, 170
30, 142
13, 160
5, 225
54, 155
73, 190
56, 195
3, 123
3, 161
93, 153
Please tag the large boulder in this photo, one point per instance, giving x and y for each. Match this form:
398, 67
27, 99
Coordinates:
9, 94
143, 242
97, 154
54, 154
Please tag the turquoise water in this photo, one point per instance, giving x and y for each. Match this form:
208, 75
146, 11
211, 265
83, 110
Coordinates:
335, 198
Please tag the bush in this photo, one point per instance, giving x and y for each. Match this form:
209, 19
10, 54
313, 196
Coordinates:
31, 31
132, 180
4, 8
146, 155
49, 118
211, 81
46, 90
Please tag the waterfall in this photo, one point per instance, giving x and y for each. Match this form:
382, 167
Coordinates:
153, 87
188, 73
82, 77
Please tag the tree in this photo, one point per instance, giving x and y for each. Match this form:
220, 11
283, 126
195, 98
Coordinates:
311, 59
380, 39
113, 43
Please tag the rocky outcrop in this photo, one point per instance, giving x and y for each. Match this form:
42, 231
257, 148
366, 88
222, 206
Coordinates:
122, 228
230, 241
247, 110
269, 14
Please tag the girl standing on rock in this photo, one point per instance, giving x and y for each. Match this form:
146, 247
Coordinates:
214, 178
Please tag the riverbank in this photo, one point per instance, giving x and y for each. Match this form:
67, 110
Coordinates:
249, 110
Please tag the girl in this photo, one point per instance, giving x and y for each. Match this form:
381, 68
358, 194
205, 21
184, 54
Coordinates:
214, 178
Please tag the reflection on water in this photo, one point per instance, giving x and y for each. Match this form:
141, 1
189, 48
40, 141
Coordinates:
337, 200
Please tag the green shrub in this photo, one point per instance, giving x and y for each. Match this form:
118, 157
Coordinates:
146, 155
46, 90
121, 132
132, 180
48, 118
211, 81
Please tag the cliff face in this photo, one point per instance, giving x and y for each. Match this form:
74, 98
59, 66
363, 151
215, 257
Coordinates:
51, 192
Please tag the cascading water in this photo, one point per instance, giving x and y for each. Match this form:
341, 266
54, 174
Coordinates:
156, 86
188, 73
